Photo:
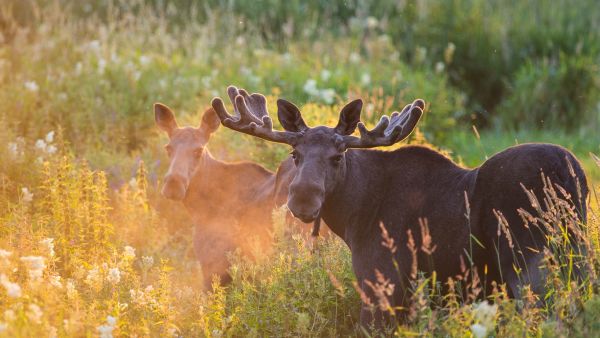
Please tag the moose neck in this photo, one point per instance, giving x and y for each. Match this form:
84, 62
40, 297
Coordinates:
380, 185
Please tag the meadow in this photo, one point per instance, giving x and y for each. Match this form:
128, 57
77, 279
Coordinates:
88, 247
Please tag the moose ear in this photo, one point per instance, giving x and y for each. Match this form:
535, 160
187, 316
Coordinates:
349, 118
210, 121
165, 119
289, 116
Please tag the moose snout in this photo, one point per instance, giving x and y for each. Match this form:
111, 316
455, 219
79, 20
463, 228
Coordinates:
175, 187
305, 201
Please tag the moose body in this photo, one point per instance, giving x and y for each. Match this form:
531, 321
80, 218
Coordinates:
400, 187
356, 191
230, 204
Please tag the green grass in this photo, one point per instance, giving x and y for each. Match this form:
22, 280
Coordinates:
91, 70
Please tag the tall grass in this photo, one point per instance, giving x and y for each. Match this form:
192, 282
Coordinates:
88, 247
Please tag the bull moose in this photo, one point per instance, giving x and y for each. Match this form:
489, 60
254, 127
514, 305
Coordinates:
355, 190
230, 203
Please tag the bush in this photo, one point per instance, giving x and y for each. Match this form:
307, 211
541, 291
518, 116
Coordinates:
553, 94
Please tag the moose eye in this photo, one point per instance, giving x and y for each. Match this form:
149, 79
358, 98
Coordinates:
337, 159
295, 157
169, 149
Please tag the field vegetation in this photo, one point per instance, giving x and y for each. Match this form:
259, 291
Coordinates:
88, 246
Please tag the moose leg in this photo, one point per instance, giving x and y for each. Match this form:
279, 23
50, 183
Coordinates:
211, 251
532, 274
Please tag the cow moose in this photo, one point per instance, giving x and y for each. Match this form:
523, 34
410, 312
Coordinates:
355, 190
230, 203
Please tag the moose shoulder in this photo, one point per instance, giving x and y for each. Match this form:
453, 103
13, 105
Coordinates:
417, 195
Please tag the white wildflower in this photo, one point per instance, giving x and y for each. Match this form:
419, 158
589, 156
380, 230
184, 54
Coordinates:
372, 22
145, 60
93, 278
35, 266
114, 275
62, 96
133, 183
325, 74
48, 244
32, 86
55, 281
52, 332
484, 317
41, 145
439, 67
4, 256
13, 149
78, 68
310, 87
129, 253
3, 327
71, 290
94, 46
106, 330
13, 290
147, 261
34, 313
327, 95
27, 195
365, 79
51, 149
354, 57
101, 65
9, 315
478, 331
50, 137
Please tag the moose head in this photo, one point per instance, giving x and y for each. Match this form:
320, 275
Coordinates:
185, 148
318, 152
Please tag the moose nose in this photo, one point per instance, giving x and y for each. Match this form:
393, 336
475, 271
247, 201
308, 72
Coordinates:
174, 187
306, 217
305, 201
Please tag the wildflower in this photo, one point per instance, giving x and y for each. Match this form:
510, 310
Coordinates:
129, 253
51, 149
478, 330
106, 330
310, 87
55, 281
50, 137
13, 290
35, 266
9, 315
145, 60
101, 65
354, 58
41, 145
372, 22
93, 278
4, 257
13, 149
147, 261
328, 95
52, 332
439, 67
34, 313
3, 327
484, 315
32, 86
71, 291
48, 244
325, 75
114, 275
365, 79
27, 195
133, 183
94, 46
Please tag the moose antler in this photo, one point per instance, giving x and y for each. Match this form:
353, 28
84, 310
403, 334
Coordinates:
251, 116
388, 130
